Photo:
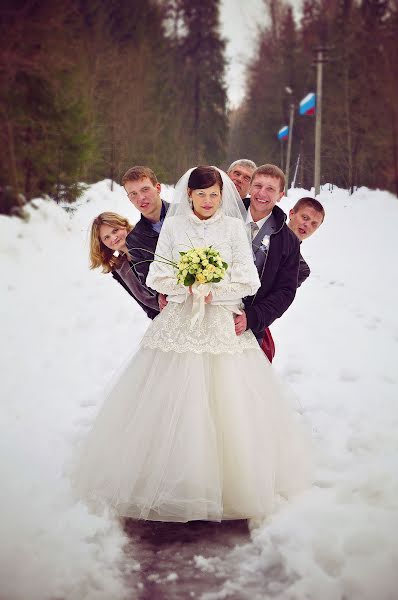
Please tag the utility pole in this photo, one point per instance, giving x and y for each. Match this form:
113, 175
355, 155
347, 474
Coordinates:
320, 59
302, 162
295, 171
289, 146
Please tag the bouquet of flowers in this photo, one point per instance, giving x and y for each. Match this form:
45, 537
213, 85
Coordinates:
198, 269
201, 266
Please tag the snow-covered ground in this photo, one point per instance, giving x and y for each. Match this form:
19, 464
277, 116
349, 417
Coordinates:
65, 330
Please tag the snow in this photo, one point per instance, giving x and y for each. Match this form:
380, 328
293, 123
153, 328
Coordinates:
66, 330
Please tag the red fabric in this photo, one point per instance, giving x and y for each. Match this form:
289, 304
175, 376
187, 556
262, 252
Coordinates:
268, 345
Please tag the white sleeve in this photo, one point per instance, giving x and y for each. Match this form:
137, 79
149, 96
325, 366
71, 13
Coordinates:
162, 277
243, 278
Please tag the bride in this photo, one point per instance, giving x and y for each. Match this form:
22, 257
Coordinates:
196, 426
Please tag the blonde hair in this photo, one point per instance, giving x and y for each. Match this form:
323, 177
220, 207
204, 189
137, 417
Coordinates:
100, 255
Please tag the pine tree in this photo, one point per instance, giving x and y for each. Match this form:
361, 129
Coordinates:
199, 70
43, 116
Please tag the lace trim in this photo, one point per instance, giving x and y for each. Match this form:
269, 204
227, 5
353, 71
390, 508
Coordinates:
170, 331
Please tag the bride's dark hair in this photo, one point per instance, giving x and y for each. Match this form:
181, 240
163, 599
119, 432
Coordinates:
204, 177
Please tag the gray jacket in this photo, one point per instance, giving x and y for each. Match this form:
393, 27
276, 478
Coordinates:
141, 243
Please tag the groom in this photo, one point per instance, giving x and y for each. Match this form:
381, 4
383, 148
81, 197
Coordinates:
143, 191
276, 251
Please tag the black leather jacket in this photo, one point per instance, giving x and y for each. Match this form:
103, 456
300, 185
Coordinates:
304, 271
278, 278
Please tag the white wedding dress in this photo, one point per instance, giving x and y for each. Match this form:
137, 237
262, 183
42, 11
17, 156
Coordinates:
197, 425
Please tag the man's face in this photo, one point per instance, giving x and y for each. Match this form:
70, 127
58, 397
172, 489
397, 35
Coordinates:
264, 194
145, 196
241, 177
305, 221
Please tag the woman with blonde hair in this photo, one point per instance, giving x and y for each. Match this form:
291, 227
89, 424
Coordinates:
108, 250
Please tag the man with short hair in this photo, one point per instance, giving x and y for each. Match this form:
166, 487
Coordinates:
240, 172
276, 251
304, 219
143, 190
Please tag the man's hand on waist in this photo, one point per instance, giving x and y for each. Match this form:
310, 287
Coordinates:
240, 323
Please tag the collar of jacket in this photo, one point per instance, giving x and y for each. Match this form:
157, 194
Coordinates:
213, 219
279, 216
147, 224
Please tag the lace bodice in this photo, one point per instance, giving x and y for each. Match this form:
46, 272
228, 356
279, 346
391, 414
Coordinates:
171, 331
227, 235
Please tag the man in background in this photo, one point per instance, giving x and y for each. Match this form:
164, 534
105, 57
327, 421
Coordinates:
305, 218
241, 172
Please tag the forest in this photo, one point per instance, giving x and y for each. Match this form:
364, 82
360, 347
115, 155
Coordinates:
91, 88
360, 92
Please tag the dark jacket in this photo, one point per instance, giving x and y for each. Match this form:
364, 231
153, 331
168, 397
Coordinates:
141, 243
278, 277
304, 271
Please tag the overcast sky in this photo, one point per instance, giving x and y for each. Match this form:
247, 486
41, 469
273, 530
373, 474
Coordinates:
240, 20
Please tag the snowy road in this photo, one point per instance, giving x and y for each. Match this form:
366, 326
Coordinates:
174, 561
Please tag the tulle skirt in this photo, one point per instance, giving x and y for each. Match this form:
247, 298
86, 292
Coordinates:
186, 435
